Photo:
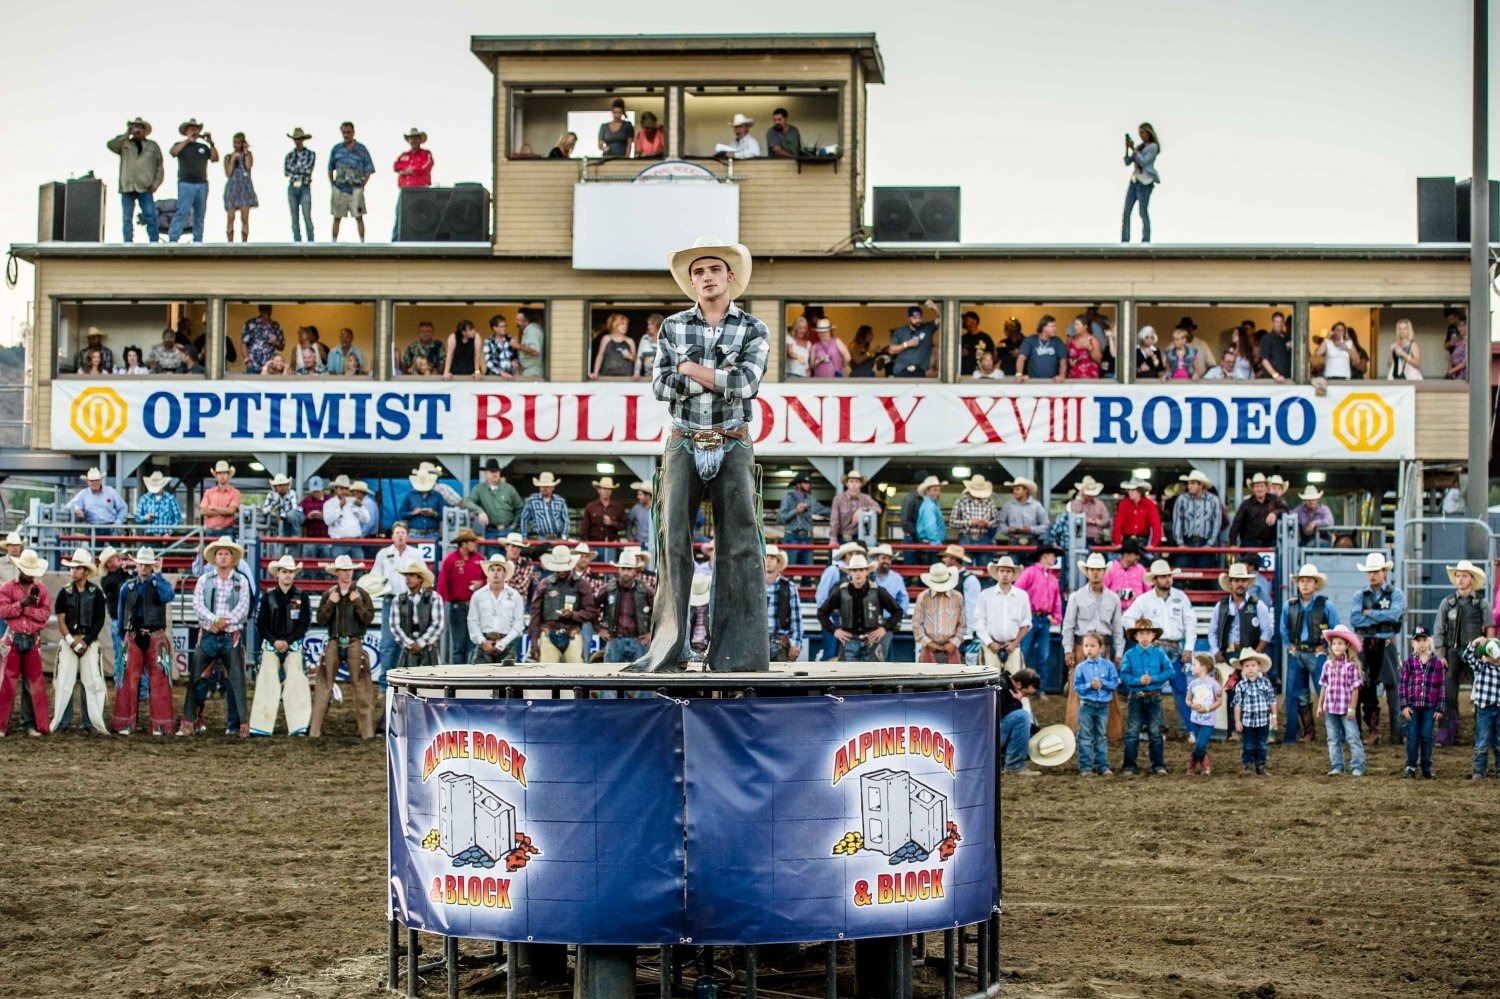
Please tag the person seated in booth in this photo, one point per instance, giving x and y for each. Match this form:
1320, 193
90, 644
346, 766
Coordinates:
1228, 368
651, 141
93, 362
346, 359
95, 341
425, 347
169, 357
132, 362
616, 135
782, 138
745, 146
564, 148
308, 357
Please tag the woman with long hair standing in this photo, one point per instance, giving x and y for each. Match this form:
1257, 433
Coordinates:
1406, 356
1143, 179
465, 352
239, 192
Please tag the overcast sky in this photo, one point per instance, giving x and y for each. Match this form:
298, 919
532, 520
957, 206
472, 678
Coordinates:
1281, 120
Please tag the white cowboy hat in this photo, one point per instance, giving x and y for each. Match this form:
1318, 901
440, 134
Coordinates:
1276, 480
560, 559
1095, 560
421, 480
81, 560
1161, 567
1052, 746
1021, 480
1376, 562
735, 255
416, 567
375, 585
224, 541
1259, 477
848, 548
956, 551
285, 562
630, 558
1464, 565
109, 552
93, 475
29, 564
582, 548
499, 560
1135, 483
702, 587
14, 538
281, 480
642, 487
740, 119
1003, 562
1249, 655
342, 480
547, 479
607, 482
145, 556
1310, 571
643, 558
359, 486
1237, 571
824, 325
342, 562
1310, 492
857, 562
1197, 476
771, 552
853, 473
929, 482
940, 578
881, 549
514, 538
979, 487
1087, 486
223, 466
155, 482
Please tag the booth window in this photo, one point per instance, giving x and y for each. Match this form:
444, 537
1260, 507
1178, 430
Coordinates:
1370, 334
317, 339
860, 344
622, 338
509, 340
1223, 342
990, 336
129, 338
709, 111
541, 118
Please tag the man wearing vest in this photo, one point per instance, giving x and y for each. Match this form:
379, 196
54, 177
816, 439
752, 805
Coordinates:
281, 624
783, 609
346, 611
25, 607
835, 573
1303, 622
1463, 616
1241, 620
1376, 617
221, 601
80, 621
560, 607
497, 614
865, 614
144, 608
625, 612
1171, 609
418, 626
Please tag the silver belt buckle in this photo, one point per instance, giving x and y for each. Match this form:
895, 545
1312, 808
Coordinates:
706, 440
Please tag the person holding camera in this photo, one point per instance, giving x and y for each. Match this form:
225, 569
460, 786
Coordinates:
26, 607
194, 152
1143, 179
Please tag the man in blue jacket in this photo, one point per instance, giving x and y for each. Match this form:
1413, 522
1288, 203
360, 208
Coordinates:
1376, 619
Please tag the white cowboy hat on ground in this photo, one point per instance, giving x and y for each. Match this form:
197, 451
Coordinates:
1087, 486
1310, 571
702, 586
155, 482
29, 564
560, 559
1052, 746
547, 479
81, 560
735, 255
416, 567
1376, 562
1161, 567
1095, 560
1310, 492
223, 466
287, 563
375, 585
979, 487
1237, 571
1021, 480
224, 541
342, 562
941, 577
1465, 565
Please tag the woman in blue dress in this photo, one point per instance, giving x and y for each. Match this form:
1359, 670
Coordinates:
239, 192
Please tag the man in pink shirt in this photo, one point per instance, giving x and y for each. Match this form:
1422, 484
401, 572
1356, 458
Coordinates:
1127, 577
1039, 581
461, 574
220, 506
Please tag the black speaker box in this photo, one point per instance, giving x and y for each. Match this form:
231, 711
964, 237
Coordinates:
83, 217
458, 214
916, 214
1436, 218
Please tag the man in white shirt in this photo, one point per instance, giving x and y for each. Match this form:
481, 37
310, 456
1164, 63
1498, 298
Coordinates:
389, 562
1002, 617
497, 614
345, 519
1171, 609
745, 145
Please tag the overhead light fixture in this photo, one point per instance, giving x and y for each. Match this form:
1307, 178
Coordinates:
961, 471
605, 468
1141, 473
784, 473
256, 466
1317, 477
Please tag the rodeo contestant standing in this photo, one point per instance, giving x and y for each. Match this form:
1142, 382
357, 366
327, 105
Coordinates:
26, 607
418, 624
709, 363
80, 620
145, 602
221, 600
562, 604
1463, 616
865, 613
1376, 618
625, 611
497, 614
346, 611
281, 623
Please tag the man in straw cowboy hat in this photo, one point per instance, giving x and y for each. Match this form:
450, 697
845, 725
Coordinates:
26, 607
710, 360
783, 609
194, 152
1091, 609
219, 509
422, 508
545, 514
142, 172
1136, 515
281, 510
157, 510
974, 515
562, 604
413, 169
1016, 722
1197, 518
625, 604
1002, 618
1241, 620
281, 623
97, 502
603, 518
461, 575
1314, 520
80, 610
419, 617
345, 519
843, 515
937, 620
1145, 676
1462, 616
221, 602
1254, 524
497, 614
145, 612
346, 611
1087, 504
1303, 621
865, 613
1376, 617
298, 166
1023, 519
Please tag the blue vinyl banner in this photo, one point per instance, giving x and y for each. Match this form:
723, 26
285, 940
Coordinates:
548, 821
823, 818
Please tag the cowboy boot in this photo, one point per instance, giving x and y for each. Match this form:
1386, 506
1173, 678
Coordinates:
1305, 720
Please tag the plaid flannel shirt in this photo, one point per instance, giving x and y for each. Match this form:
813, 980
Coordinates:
1341, 677
163, 507
1256, 700
773, 608
736, 351
1421, 684
967, 508
1486, 689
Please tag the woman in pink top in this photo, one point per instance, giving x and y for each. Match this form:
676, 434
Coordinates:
1127, 577
651, 140
1040, 583
828, 357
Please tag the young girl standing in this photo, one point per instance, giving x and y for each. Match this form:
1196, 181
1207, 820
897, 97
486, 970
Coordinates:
1340, 682
1204, 696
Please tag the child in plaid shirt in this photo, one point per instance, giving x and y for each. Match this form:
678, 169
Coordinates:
1421, 688
1486, 696
1341, 679
1254, 710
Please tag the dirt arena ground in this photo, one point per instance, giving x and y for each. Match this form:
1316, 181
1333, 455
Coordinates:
162, 867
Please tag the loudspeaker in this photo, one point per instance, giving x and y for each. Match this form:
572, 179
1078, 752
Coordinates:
51, 207
83, 216
458, 214
1436, 218
916, 215
1464, 191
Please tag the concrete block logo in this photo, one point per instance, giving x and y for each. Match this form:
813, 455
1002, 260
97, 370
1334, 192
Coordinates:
1364, 422
99, 415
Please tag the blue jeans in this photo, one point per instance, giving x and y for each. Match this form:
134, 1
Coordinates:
1486, 738
300, 199
858, 650
1419, 730
390, 651
460, 648
128, 201
1302, 671
623, 650
1144, 710
1036, 650
190, 198
1344, 731
1202, 734
1253, 742
1015, 739
980, 558
1137, 194
1093, 737
798, 556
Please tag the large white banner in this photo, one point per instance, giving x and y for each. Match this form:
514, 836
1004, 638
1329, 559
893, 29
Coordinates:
893, 418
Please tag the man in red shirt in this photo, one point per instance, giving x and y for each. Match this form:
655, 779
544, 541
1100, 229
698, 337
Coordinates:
1136, 516
604, 518
220, 507
413, 169
461, 573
